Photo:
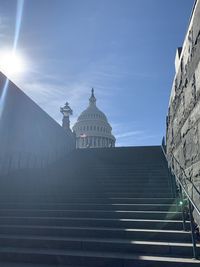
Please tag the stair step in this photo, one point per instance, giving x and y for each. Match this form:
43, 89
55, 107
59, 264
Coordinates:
134, 184
88, 199
99, 232
125, 182
90, 206
98, 222
97, 244
133, 190
102, 197
120, 214
129, 178
91, 259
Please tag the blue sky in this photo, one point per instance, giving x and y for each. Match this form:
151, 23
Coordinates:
125, 49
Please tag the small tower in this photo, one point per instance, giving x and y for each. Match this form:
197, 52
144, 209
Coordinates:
66, 111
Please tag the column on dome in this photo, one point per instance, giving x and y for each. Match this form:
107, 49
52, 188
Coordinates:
84, 142
96, 141
96, 138
99, 144
87, 141
107, 142
79, 142
110, 143
92, 141
103, 139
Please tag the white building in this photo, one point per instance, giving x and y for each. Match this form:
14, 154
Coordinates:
92, 128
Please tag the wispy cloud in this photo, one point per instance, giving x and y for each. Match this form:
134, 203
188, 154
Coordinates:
3, 22
132, 133
51, 90
129, 134
3, 27
144, 138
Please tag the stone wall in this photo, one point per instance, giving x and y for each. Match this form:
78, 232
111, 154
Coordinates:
29, 137
183, 120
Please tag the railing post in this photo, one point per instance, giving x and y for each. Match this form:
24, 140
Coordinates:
182, 208
173, 184
195, 254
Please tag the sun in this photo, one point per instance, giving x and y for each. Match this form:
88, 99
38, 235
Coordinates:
11, 63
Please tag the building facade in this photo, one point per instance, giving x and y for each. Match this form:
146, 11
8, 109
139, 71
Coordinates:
29, 137
92, 129
183, 120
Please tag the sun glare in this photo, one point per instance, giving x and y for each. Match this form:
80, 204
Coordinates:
11, 63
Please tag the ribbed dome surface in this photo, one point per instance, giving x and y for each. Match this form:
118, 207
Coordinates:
92, 128
92, 112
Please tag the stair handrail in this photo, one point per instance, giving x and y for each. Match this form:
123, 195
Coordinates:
191, 203
189, 179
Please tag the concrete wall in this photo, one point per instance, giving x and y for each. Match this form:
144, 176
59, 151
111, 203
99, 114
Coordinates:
29, 137
183, 121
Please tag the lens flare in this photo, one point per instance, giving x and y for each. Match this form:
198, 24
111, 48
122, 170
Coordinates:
11, 63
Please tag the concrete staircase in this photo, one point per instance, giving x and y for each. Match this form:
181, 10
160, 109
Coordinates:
101, 208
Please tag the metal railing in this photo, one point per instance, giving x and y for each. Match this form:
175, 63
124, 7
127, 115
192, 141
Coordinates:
180, 190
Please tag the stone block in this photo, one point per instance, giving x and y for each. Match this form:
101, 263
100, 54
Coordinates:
197, 78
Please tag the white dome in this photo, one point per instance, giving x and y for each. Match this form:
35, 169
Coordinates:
92, 128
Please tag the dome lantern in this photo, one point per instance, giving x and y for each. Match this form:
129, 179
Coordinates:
92, 98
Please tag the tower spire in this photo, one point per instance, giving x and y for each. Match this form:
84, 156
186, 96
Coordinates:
92, 98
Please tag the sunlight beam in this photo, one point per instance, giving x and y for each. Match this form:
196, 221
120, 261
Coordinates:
14, 62
19, 13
